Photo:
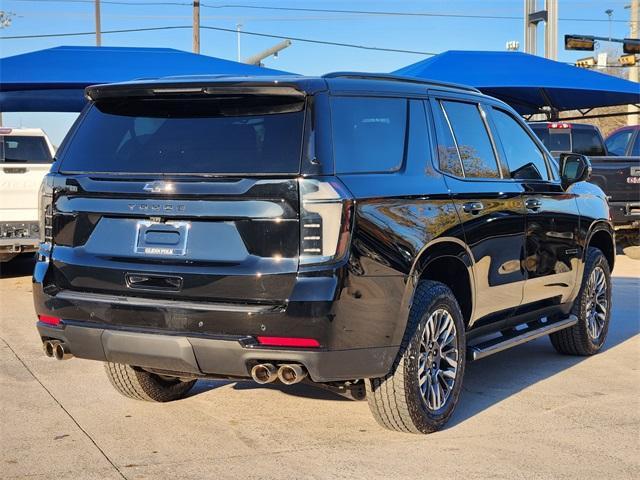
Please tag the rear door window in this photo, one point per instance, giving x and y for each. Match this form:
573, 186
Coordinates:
241, 136
526, 161
369, 134
24, 149
472, 140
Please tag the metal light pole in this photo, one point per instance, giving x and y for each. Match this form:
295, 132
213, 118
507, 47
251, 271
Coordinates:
634, 119
238, 30
98, 27
609, 12
257, 58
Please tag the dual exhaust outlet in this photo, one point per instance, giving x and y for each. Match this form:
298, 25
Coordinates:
56, 349
289, 373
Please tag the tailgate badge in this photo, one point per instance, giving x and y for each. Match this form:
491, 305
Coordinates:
158, 187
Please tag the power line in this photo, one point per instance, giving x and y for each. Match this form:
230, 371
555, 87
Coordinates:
323, 42
322, 10
222, 29
79, 34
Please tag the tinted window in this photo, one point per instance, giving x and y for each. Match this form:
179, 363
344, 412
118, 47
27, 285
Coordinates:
368, 133
617, 143
224, 135
525, 159
472, 140
587, 141
24, 149
555, 139
448, 158
635, 151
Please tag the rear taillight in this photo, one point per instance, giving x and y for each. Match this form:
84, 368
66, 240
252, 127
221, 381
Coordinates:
325, 220
46, 209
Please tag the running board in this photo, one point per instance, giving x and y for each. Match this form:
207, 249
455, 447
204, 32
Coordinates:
518, 337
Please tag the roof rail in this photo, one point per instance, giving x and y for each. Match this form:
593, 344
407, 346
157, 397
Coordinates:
398, 78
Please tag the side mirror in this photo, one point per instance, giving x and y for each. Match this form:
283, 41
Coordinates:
574, 168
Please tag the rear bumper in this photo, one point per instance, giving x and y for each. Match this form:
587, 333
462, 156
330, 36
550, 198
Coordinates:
625, 214
226, 356
18, 245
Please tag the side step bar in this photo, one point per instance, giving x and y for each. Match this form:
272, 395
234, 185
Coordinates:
518, 337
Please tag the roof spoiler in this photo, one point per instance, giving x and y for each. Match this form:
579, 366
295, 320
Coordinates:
173, 89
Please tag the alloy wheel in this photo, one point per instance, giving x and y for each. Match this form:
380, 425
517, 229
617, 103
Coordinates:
597, 302
438, 359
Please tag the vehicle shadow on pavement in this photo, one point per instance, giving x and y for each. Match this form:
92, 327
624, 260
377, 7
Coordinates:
498, 377
20, 266
303, 390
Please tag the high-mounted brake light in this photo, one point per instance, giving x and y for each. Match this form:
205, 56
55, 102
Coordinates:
55, 321
5, 131
325, 220
558, 125
288, 342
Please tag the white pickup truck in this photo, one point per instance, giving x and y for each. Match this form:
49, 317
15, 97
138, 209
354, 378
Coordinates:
26, 155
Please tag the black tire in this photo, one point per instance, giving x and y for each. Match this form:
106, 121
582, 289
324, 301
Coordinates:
139, 384
396, 400
577, 340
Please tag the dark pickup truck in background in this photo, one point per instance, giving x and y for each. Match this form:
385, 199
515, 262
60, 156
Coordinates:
616, 169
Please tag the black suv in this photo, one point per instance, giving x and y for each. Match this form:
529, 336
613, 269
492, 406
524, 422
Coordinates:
366, 233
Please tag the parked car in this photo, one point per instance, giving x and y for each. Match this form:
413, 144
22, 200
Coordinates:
615, 169
624, 142
363, 232
25, 157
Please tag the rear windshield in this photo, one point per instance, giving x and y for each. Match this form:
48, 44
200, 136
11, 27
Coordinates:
556, 140
24, 149
230, 135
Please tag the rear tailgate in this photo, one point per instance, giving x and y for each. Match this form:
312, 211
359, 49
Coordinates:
182, 198
619, 177
232, 239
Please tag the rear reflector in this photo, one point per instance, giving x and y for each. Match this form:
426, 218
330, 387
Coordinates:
50, 320
288, 342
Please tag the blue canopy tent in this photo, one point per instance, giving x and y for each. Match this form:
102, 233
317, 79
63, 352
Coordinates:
528, 83
53, 80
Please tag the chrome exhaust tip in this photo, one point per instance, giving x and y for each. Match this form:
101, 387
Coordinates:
47, 347
61, 351
264, 373
291, 374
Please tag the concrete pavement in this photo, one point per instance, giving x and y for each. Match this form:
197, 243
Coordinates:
524, 413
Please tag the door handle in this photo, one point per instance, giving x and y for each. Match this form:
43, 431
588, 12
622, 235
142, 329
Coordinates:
533, 204
472, 207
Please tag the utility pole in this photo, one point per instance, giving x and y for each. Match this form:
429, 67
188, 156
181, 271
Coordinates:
98, 27
238, 31
196, 26
633, 71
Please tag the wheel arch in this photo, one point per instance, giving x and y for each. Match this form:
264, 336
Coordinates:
446, 260
601, 236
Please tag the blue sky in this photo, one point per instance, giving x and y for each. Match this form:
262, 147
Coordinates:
429, 34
